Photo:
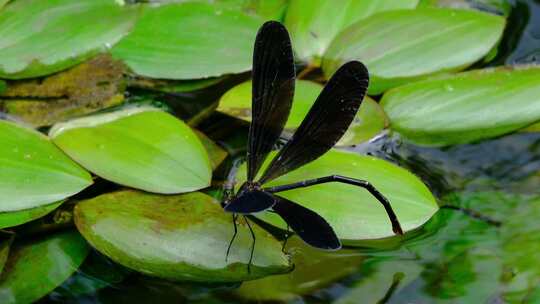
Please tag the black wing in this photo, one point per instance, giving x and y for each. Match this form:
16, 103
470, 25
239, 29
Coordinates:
309, 226
250, 201
273, 90
326, 121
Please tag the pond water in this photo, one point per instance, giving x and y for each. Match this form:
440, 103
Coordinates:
454, 258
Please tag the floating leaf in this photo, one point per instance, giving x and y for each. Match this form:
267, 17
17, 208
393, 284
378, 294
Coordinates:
466, 107
181, 237
168, 42
85, 88
34, 173
140, 147
14, 218
369, 121
353, 212
35, 268
42, 37
313, 24
397, 48
216, 154
313, 269
268, 9
499, 7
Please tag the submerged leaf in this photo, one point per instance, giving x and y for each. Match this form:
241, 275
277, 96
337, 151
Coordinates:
351, 211
172, 86
466, 107
85, 88
34, 172
314, 23
42, 37
369, 121
35, 268
140, 147
189, 41
397, 48
181, 237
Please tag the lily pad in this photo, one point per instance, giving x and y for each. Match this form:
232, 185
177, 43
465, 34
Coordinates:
313, 269
140, 147
499, 7
42, 37
14, 218
182, 237
35, 268
267, 9
313, 24
189, 41
397, 48
466, 107
216, 154
35, 173
86, 88
369, 121
353, 212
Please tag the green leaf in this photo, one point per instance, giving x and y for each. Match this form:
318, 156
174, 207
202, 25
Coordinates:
42, 37
34, 171
314, 23
500, 7
181, 237
313, 269
3, 86
267, 9
466, 107
140, 147
216, 154
397, 48
14, 218
35, 268
369, 121
353, 212
189, 41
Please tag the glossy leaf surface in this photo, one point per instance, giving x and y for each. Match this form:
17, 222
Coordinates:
140, 147
181, 237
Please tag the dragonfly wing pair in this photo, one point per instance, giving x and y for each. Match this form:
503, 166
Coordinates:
325, 123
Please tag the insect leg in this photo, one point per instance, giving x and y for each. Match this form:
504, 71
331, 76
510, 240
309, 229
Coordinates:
396, 226
252, 244
287, 236
234, 216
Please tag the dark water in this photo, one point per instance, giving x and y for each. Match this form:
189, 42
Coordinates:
454, 258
